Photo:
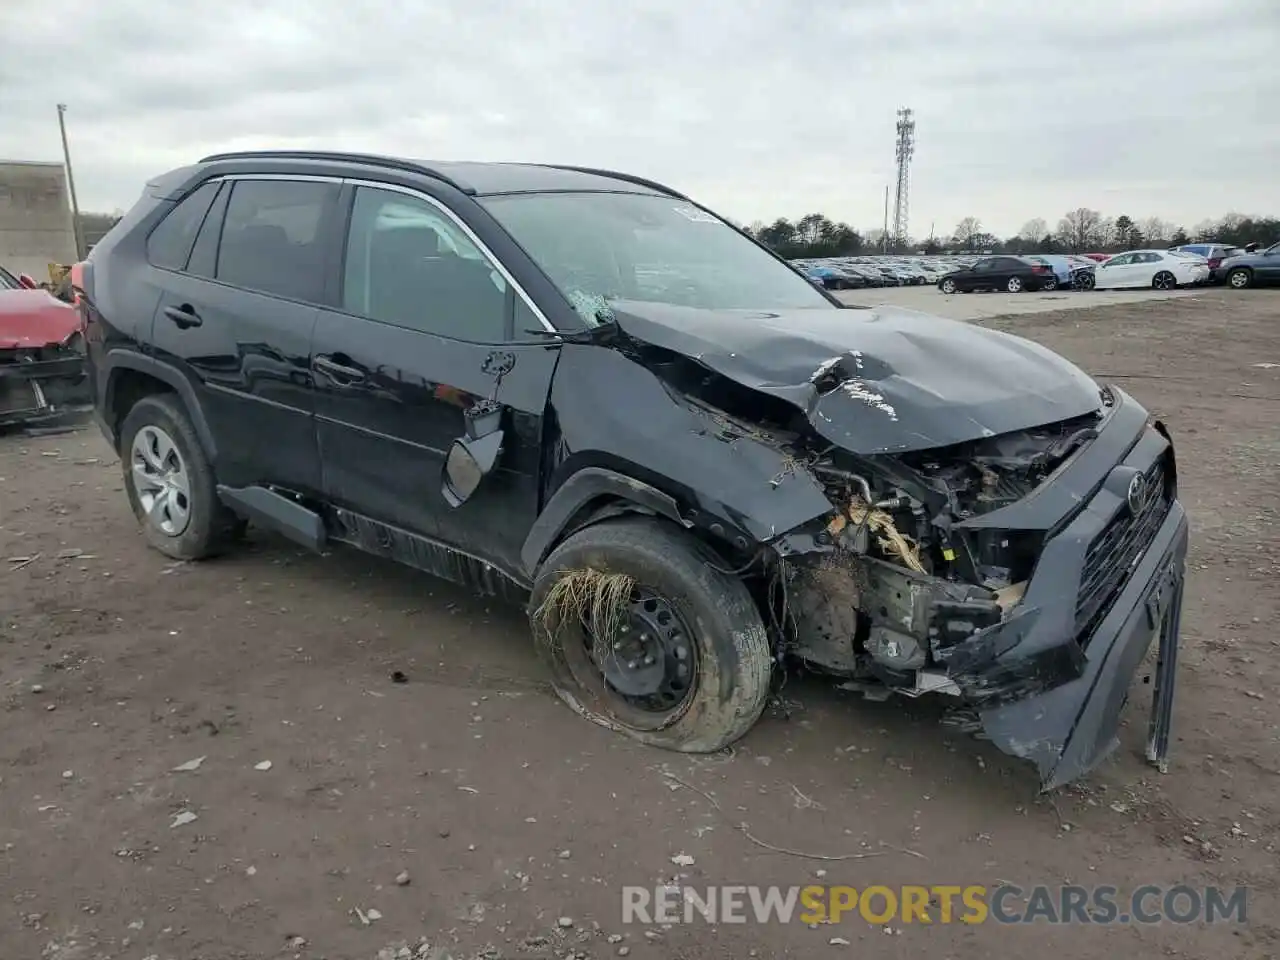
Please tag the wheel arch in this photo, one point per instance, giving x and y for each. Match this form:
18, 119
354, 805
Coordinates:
588, 496
131, 376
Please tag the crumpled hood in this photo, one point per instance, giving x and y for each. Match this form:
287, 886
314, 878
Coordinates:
876, 381
33, 318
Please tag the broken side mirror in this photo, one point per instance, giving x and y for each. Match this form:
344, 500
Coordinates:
468, 463
473, 456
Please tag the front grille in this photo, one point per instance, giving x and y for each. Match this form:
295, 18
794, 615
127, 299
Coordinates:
1115, 551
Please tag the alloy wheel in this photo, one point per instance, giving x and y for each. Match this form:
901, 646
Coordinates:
1239, 279
1014, 285
1164, 280
161, 481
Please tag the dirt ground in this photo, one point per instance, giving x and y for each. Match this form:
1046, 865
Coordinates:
409, 728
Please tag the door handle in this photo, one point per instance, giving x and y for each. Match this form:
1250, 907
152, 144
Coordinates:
183, 316
337, 371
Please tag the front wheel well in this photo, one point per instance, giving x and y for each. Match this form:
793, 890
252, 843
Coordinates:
126, 388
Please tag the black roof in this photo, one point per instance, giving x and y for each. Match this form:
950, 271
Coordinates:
473, 177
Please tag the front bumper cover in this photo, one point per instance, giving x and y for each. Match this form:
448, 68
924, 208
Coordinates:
1069, 729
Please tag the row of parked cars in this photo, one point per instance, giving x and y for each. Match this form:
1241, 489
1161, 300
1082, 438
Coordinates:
1181, 266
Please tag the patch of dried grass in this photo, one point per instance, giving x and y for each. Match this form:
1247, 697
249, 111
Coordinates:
597, 600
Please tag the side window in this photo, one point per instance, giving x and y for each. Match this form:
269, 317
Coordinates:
409, 264
170, 242
204, 255
982, 266
1121, 260
273, 238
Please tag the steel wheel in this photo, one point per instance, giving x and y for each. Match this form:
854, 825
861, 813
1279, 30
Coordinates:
161, 480
1014, 285
1164, 280
1239, 279
648, 667
947, 286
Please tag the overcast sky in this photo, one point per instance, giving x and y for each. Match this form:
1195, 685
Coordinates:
759, 108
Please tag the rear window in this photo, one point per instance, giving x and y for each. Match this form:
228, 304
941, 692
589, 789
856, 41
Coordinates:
1186, 254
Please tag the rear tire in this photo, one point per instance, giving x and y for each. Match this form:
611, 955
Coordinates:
170, 483
1050, 284
1240, 278
1164, 280
715, 633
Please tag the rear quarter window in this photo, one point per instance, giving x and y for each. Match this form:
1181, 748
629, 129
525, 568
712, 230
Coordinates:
169, 244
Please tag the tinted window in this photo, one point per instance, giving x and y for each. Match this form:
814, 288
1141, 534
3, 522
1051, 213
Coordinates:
983, 265
272, 239
170, 242
410, 264
204, 255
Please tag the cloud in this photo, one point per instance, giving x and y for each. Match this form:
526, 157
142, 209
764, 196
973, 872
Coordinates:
760, 109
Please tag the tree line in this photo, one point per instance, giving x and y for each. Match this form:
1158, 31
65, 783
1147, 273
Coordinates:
1078, 231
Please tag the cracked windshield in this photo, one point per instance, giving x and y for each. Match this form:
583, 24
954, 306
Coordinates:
602, 247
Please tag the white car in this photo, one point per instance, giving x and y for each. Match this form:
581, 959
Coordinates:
1151, 269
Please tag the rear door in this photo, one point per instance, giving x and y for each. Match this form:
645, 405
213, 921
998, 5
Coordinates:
238, 322
426, 323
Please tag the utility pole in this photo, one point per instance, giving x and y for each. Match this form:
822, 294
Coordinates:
71, 183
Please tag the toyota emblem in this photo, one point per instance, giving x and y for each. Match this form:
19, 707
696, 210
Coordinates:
1137, 492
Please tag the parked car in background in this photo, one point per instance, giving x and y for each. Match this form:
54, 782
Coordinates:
1098, 257
1014, 274
1156, 269
1215, 254
42, 357
1252, 269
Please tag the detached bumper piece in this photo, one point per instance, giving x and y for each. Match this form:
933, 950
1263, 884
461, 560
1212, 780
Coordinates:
41, 385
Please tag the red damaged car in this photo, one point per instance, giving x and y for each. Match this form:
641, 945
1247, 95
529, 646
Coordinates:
42, 358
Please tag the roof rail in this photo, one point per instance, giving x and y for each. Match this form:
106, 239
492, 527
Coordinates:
372, 159
613, 174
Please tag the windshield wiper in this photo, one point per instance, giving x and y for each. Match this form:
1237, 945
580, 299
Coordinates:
576, 336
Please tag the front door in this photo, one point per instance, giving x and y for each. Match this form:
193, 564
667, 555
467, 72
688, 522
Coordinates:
978, 276
1114, 272
428, 325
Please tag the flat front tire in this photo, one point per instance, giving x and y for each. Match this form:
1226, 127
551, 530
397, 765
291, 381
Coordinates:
687, 663
170, 483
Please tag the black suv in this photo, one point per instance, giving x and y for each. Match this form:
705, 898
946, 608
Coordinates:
583, 390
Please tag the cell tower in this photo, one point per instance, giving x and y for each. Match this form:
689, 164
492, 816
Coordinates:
906, 148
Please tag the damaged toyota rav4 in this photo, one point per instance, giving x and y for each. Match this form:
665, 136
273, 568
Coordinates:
584, 391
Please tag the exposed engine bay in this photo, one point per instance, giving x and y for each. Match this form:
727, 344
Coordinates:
893, 580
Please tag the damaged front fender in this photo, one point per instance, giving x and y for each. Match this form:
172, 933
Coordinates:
614, 414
